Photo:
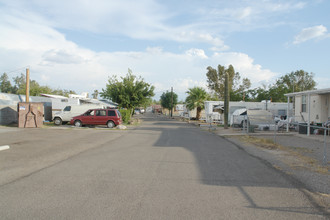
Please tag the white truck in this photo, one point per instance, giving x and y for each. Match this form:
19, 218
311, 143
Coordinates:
70, 111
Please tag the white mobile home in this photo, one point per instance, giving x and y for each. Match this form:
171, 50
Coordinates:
276, 108
311, 106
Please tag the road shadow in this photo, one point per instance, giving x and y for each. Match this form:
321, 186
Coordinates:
222, 163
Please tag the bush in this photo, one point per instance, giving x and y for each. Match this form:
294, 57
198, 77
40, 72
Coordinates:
125, 114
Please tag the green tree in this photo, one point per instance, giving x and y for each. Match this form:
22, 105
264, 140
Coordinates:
129, 92
166, 100
297, 81
216, 82
5, 85
195, 99
291, 82
63, 92
147, 103
36, 89
19, 84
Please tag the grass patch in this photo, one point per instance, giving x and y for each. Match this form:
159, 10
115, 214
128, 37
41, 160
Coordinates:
261, 142
49, 124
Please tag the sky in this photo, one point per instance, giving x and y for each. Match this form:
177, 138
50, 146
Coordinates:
79, 44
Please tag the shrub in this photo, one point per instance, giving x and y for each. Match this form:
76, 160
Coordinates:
125, 114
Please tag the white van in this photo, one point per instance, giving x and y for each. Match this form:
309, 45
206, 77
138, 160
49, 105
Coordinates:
69, 112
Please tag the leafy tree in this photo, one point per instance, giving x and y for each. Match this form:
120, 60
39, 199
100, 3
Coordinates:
292, 82
155, 102
195, 99
147, 103
297, 81
63, 92
166, 100
129, 92
5, 85
19, 84
35, 88
216, 82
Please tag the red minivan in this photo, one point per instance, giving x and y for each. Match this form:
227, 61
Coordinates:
109, 117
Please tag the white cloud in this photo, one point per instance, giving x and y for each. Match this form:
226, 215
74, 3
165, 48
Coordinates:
61, 56
240, 16
246, 67
315, 32
58, 62
196, 53
286, 6
145, 19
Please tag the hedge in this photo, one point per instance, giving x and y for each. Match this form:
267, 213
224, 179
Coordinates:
125, 115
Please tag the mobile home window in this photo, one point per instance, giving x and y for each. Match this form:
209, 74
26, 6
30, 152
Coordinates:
303, 103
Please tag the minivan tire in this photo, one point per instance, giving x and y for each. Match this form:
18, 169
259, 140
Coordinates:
110, 124
77, 123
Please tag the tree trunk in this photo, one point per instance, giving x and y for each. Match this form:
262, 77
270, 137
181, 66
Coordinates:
198, 113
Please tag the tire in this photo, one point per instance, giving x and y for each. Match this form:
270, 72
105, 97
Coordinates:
111, 124
58, 121
77, 123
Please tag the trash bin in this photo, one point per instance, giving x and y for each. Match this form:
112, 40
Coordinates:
252, 128
302, 128
30, 114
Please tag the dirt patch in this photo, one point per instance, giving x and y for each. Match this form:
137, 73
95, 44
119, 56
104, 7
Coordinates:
295, 157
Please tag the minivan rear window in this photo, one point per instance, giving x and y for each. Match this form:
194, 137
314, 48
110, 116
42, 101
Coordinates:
111, 113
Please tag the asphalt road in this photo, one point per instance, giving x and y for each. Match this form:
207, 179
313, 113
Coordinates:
163, 169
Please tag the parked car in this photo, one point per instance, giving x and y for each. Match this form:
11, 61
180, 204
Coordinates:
137, 111
65, 116
109, 117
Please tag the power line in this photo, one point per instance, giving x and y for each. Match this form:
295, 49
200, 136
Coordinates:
22, 68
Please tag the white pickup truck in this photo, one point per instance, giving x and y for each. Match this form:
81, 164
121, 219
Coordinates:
64, 116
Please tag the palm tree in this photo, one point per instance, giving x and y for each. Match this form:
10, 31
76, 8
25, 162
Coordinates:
195, 99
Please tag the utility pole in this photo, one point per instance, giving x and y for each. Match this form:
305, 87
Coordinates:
27, 92
171, 102
227, 97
